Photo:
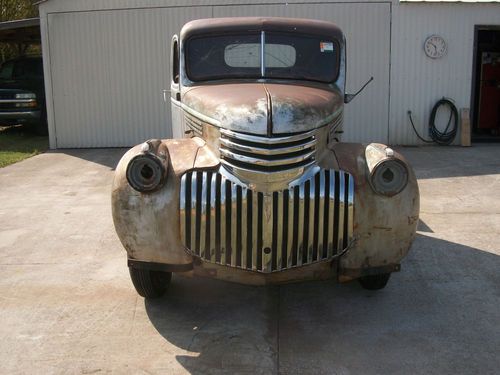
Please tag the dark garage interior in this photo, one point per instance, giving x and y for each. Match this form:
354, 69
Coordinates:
486, 85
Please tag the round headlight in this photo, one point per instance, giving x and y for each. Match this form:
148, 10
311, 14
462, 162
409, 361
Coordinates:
146, 173
389, 177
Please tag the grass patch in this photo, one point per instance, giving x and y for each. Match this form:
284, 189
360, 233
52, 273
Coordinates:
18, 143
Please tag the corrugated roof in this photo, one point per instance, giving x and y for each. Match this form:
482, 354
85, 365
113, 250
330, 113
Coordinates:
25, 31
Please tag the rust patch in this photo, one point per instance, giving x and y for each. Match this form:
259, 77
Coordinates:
412, 219
302, 107
237, 106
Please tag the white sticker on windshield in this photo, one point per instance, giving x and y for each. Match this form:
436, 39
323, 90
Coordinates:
326, 46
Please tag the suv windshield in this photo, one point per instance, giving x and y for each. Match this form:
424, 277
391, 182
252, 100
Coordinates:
31, 68
28, 69
286, 56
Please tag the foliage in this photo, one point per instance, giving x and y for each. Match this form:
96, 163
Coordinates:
17, 143
15, 10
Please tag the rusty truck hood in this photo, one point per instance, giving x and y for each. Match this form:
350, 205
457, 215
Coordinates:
265, 109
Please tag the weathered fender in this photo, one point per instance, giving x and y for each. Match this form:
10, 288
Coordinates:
384, 227
148, 224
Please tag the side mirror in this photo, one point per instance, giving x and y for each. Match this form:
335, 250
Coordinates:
349, 97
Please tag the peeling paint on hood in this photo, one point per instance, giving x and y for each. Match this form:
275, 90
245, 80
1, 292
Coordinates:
302, 108
244, 106
240, 107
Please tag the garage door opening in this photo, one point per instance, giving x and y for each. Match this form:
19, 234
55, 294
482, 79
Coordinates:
486, 85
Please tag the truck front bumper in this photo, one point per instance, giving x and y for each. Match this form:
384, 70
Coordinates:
20, 117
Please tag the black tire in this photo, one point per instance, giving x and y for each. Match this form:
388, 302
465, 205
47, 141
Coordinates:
150, 284
41, 127
374, 282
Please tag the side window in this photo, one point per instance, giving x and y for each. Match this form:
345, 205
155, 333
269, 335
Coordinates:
175, 60
7, 70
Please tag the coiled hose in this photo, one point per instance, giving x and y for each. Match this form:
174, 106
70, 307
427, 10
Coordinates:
448, 135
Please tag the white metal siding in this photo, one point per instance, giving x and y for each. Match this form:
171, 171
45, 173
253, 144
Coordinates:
418, 82
108, 72
367, 30
109, 69
51, 6
138, 32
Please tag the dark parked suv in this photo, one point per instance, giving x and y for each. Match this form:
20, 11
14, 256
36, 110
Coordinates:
22, 94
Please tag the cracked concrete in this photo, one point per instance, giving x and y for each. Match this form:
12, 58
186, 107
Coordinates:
67, 304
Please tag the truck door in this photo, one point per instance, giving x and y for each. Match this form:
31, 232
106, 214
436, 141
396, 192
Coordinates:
175, 93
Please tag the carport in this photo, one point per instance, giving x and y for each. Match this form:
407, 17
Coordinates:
21, 33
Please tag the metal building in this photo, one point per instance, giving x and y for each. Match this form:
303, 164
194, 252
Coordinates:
107, 62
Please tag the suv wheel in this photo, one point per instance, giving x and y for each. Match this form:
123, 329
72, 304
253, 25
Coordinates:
41, 127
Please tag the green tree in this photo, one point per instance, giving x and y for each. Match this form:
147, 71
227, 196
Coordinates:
17, 9
11, 10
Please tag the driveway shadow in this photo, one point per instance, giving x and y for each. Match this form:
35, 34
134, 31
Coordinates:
452, 161
108, 157
438, 315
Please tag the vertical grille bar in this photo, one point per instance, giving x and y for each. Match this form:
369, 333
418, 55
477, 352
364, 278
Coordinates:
223, 245
194, 229
182, 208
321, 214
213, 223
244, 227
234, 223
255, 228
340, 224
279, 231
203, 215
267, 233
310, 237
332, 226
350, 203
291, 228
301, 225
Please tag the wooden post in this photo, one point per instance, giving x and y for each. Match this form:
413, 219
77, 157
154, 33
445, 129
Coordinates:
465, 127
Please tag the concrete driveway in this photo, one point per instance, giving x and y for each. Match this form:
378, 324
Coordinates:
67, 304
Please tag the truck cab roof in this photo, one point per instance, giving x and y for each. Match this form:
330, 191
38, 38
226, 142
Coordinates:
252, 24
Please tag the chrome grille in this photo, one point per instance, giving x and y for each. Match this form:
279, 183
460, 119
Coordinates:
265, 154
7, 95
226, 223
193, 124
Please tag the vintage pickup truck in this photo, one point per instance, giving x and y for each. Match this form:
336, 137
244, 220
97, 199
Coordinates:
257, 187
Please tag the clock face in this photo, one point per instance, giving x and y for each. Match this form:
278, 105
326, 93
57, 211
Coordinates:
435, 47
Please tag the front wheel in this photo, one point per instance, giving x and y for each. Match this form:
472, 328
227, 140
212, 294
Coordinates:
150, 284
374, 282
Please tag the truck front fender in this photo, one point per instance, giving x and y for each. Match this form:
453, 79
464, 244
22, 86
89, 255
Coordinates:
384, 226
147, 224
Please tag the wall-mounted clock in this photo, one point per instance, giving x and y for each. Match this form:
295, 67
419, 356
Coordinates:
435, 47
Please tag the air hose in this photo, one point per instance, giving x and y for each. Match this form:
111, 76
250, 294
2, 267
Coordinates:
448, 135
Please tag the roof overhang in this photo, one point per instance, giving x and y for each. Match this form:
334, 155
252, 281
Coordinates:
25, 31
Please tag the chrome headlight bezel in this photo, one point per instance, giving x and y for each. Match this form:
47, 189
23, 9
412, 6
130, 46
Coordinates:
389, 177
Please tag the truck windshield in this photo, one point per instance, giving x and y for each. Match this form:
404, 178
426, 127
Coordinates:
285, 56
